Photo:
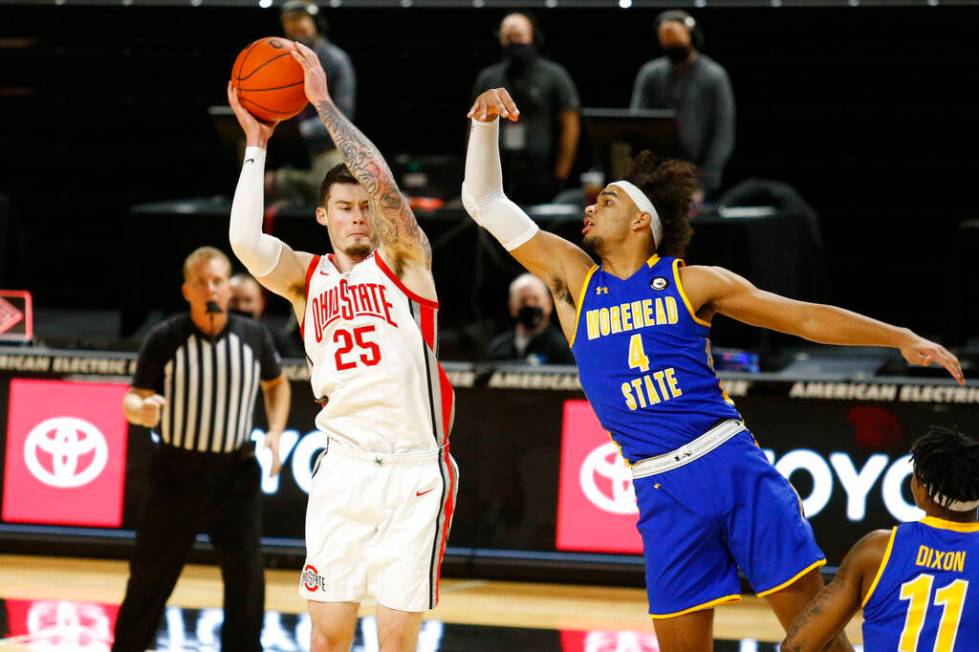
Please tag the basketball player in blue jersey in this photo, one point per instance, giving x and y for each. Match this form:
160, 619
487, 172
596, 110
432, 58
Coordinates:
639, 327
918, 584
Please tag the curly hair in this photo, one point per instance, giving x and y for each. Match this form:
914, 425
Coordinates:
946, 461
670, 185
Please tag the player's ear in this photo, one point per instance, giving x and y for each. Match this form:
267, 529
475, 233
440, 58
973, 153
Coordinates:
321, 215
641, 221
185, 291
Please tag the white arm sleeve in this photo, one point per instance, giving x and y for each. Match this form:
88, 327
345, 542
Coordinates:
259, 252
482, 190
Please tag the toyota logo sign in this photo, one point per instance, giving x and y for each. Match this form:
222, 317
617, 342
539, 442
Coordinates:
65, 453
606, 462
597, 509
75, 450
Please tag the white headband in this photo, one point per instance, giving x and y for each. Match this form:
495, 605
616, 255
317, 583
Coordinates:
955, 505
642, 202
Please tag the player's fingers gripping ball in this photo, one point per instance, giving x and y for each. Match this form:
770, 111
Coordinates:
269, 80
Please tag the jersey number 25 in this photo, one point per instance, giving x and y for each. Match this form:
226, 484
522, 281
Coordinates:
371, 352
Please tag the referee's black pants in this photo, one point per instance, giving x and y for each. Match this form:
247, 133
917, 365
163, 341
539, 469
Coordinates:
189, 493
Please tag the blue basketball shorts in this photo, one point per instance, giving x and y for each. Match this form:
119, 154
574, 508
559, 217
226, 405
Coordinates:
727, 510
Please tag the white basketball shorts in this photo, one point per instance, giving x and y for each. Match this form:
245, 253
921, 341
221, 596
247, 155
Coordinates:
377, 524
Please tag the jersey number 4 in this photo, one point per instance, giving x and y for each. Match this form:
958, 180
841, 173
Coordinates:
637, 355
950, 597
371, 352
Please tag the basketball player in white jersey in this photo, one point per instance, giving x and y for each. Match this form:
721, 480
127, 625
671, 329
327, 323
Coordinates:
383, 492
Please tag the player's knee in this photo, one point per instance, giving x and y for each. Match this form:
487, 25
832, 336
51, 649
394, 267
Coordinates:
324, 639
399, 642
402, 637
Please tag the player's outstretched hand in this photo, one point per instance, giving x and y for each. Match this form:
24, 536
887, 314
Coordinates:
315, 86
492, 103
922, 352
256, 132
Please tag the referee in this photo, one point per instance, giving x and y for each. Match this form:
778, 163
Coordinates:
199, 374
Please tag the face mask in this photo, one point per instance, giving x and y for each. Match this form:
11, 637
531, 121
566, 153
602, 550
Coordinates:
520, 54
677, 53
530, 316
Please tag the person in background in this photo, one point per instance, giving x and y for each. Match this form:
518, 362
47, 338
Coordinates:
196, 381
698, 89
539, 150
247, 299
532, 338
301, 21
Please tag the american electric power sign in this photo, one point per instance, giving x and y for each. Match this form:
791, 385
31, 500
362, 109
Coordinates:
65, 458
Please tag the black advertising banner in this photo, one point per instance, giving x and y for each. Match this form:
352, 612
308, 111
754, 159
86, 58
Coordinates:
537, 472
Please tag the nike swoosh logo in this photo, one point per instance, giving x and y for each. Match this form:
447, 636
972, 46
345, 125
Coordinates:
249, 160
427, 491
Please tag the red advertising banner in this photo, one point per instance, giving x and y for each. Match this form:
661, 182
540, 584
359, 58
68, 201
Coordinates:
608, 641
597, 509
65, 453
61, 625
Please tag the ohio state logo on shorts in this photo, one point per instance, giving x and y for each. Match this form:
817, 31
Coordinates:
312, 580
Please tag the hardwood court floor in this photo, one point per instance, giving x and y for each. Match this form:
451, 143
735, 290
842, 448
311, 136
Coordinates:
491, 604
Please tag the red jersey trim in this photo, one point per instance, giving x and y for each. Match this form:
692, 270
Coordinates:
309, 275
401, 286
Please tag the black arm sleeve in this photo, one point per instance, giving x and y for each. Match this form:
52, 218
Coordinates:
152, 360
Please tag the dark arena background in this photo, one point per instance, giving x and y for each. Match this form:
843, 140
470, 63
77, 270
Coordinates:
852, 171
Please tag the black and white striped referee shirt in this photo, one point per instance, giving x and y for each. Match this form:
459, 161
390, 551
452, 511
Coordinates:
210, 387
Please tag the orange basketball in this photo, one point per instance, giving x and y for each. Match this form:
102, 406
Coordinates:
269, 80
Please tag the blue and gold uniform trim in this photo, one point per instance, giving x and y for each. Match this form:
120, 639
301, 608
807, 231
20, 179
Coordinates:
880, 571
581, 302
727, 599
677, 263
792, 580
942, 524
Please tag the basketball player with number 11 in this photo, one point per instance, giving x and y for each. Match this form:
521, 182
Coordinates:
383, 491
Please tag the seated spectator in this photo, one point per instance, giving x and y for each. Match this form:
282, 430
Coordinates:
532, 339
248, 299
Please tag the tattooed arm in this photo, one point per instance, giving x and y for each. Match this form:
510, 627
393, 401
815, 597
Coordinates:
838, 602
394, 223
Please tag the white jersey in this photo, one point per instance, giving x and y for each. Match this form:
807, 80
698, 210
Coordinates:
371, 345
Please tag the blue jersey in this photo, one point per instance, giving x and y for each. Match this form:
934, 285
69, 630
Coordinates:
926, 594
644, 360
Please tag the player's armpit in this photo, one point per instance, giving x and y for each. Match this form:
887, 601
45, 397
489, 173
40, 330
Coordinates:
562, 265
288, 277
838, 602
